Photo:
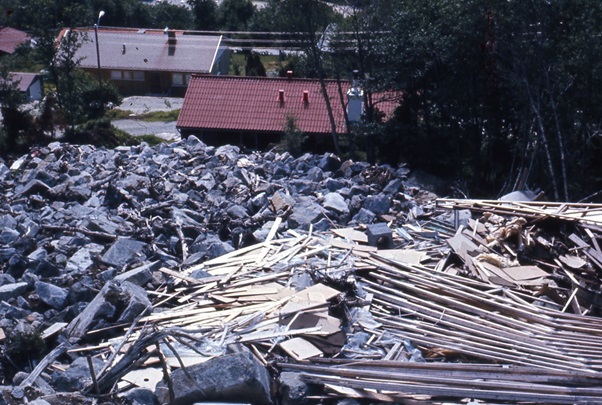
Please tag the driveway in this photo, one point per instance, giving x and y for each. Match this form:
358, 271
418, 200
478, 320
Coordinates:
144, 104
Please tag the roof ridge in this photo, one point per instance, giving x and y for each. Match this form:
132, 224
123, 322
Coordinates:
266, 78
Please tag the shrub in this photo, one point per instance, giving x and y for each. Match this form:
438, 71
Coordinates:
294, 138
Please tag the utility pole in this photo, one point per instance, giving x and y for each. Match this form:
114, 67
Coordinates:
97, 48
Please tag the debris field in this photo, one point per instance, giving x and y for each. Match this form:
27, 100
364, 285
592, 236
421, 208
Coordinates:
184, 273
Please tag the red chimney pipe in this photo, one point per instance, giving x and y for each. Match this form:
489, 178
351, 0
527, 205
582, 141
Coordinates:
281, 95
306, 96
289, 74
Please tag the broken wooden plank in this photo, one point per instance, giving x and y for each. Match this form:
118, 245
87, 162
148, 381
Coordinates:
337, 243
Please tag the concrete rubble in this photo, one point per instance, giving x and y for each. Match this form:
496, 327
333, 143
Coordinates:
184, 273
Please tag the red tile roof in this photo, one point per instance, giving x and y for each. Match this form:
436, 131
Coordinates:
11, 38
252, 104
148, 49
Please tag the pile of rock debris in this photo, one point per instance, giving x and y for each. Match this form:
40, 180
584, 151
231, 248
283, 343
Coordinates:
184, 273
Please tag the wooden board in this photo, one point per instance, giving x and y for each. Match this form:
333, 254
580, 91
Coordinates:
574, 262
144, 378
337, 243
327, 324
53, 329
351, 234
300, 349
522, 273
404, 255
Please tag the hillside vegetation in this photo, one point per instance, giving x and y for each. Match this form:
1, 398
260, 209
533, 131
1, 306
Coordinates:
495, 95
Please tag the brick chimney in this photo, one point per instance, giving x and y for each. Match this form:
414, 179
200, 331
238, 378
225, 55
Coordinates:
305, 97
171, 37
171, 41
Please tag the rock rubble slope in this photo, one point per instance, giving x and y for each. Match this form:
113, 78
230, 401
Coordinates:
83, 230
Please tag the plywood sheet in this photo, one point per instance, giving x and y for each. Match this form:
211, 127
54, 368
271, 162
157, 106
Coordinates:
144, 378
300, 349
351, 234
521, 273
410, 256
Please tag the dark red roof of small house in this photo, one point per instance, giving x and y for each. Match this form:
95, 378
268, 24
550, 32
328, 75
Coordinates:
261, 104
11, 38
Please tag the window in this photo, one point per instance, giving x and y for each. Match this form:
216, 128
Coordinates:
177, 79
180, 79
136, 75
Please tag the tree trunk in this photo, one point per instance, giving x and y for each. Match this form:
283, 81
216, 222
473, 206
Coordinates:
544, 141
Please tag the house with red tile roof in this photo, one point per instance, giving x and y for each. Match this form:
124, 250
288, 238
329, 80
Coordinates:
150, 61
11, 39
252, 111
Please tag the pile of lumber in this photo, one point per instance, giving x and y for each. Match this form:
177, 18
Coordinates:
401, 382
451, 317
550, 249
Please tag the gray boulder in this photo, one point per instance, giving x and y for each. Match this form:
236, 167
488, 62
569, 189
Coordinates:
141, 396
123, 251
13, 290
140, 275
378, 204
363, 216
51, 295
77, 376
83, 259
336, 202
235, 377
293, 390
305, 213
8, 236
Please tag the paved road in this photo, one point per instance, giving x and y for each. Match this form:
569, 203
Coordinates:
141, 105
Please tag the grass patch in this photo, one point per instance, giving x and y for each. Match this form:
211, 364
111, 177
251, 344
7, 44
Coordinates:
155, 116
152, 140
160, 116
271, 63
117, 114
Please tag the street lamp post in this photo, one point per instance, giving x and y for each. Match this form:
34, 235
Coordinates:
97, 48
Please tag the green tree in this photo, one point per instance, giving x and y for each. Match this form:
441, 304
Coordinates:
253, 65
78, 94
234, 15
164, 14
205, 14
64, 74
13, 120
507, 91
308, 18
553, 73
287, 16
294, 139
440, 55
